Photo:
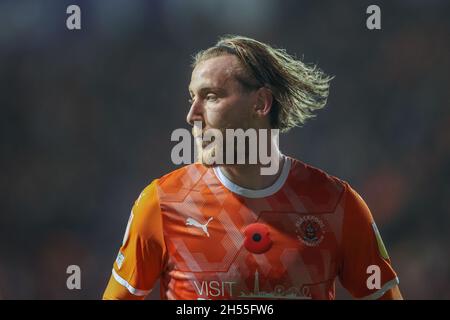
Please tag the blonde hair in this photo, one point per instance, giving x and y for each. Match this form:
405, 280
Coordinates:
298, 89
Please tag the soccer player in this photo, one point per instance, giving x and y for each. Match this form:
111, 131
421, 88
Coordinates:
214, 231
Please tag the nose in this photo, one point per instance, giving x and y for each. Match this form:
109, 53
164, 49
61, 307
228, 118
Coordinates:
195, 113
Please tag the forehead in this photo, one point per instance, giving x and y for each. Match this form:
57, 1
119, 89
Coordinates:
214, 72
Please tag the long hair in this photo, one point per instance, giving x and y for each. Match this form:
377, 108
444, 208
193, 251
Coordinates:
298, 89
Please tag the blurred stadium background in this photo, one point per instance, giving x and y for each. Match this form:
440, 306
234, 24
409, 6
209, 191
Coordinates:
86, 118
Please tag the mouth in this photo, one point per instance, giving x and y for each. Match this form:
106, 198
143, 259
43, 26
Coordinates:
197, 132
201, 142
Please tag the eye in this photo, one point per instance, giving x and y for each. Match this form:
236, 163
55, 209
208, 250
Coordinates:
211, 97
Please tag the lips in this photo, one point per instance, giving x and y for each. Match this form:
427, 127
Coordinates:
257, 238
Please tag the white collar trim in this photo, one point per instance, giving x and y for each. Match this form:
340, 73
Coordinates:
261, 193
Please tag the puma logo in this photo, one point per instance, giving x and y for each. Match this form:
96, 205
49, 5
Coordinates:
195, 223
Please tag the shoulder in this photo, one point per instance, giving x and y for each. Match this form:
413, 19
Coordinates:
175, 185
329, 192
178, 183
146, 217
320, 189
184, 177
311, 176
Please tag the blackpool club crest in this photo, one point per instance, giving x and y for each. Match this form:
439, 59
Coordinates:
310, 230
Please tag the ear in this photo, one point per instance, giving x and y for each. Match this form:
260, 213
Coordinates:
264, 100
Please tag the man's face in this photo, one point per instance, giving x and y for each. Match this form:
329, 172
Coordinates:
218, 99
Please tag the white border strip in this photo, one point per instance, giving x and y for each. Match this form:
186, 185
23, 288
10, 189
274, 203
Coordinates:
387, 286
132, 290
261, 193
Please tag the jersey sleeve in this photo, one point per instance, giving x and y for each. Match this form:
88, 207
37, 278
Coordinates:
141, 258
366, 270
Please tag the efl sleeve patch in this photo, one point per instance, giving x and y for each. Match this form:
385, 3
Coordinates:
381, 246
119, 260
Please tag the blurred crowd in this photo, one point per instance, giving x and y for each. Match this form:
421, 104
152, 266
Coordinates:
86, 118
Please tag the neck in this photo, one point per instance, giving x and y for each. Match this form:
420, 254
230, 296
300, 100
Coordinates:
249, 175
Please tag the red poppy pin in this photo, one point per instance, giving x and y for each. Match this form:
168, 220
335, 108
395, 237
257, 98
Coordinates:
257, 238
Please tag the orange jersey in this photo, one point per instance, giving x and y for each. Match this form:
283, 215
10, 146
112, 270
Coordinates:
204, 237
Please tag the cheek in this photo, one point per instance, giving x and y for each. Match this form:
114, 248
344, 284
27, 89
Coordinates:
232, 113
215, 115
